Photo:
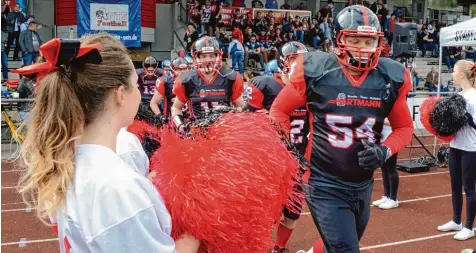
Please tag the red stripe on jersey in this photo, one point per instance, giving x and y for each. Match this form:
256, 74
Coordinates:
308, 153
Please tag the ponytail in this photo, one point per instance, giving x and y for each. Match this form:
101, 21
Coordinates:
48, 150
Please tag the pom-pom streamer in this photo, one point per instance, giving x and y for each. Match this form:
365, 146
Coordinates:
227, 187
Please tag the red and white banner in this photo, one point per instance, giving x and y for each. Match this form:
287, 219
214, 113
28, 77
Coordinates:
280, 14
227, 14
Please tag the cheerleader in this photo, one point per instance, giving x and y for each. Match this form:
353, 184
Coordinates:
462, 160
389, 175
87, 93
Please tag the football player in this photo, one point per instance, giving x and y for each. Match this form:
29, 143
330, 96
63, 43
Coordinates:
148, 77
208, 85
263, 90
164, 87
348, 95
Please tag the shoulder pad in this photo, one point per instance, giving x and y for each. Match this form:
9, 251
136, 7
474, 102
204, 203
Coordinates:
317, 62
229, 74
185, 77
391, 69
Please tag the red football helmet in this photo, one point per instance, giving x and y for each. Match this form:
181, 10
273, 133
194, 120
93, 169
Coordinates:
206, 46
358, 21
178, 66
150, 65
288, 53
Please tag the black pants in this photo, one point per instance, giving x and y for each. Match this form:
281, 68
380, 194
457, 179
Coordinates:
390, 177
463, 173
13, 36
341, 215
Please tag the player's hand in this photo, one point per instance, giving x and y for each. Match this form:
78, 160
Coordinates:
184, 132
163, 119
373, 156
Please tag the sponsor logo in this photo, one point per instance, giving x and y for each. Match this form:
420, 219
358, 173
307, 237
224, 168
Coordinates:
211, 93
361, 101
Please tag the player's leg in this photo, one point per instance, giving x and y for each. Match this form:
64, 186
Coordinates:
333, 212
390, 167
286, 226
363, 215
468, 165
456, 191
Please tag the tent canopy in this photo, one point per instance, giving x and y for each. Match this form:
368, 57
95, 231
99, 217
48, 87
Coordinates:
461, 34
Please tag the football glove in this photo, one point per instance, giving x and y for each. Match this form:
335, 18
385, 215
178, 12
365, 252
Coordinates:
373, 156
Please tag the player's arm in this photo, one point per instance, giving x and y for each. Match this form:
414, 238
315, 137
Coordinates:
291, 97
179, 103
255, 98
400, 119
158, 96
237, 93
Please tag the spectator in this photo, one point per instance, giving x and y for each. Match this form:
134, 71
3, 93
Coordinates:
325, 45
431, 27
236, 52
289, 36
385, 48
247, 21
428, 43
248, 34
191, 35
253, 51
256, 4
278, 38
4, 55
301, 6
375, 7
14, 19
451, 87
263, 40
305, 24
287, 22
30, 43
223, 38
391, 27
285, 6
432, 80
315, 36
5, 8
206, 13
413, 73
268, 18
196, 19
236, 18
330, 8
259, 22
271, 4
239, 3
299, 34
326, 30
239, 33
453, 55
28, 19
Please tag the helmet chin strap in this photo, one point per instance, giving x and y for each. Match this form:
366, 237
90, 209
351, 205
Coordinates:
362, 63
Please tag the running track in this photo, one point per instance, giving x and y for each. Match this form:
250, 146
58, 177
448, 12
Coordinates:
425, 203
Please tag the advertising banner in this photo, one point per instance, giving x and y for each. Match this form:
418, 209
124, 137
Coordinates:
118, 17
227, 14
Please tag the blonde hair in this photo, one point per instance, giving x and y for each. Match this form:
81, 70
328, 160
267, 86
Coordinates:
66, 102
466, 67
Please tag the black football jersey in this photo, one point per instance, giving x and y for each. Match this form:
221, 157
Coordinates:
147, 85
264, 90
204, 96
344, 112
165, 85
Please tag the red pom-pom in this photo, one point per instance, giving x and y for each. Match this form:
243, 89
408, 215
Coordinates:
142, 129
227, 187
426, 108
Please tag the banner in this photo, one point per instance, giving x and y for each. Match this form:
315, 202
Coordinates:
227, 14
279, 14
120, 18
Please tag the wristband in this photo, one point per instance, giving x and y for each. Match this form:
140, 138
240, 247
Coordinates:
178, 120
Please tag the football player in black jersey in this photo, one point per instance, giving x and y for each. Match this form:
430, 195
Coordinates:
262, 92
348, 95
208, 85
165, 86
148, 77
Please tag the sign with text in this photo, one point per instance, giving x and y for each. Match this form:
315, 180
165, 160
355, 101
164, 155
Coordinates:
280, 14
120, 18
227, 14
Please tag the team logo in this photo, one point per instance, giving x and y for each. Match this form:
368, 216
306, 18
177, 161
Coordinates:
340, 100
202, 93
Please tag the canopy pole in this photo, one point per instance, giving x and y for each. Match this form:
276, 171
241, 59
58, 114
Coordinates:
438, 90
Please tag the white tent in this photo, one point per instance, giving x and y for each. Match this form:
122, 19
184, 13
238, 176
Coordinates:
461, 34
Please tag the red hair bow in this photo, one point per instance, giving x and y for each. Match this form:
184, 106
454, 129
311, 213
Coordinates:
59, 52
473, 69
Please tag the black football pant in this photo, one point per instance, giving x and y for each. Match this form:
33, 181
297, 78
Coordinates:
390, 177
13, 36
295, 212
341, 215
463, 174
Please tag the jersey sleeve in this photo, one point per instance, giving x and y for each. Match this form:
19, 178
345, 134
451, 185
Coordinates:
287, 101
136, 225
160, 86
400, 118
255, 96
238, 88
179, 91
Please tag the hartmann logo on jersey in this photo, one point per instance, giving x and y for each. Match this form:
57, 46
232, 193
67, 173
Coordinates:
211, 93
343, 100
